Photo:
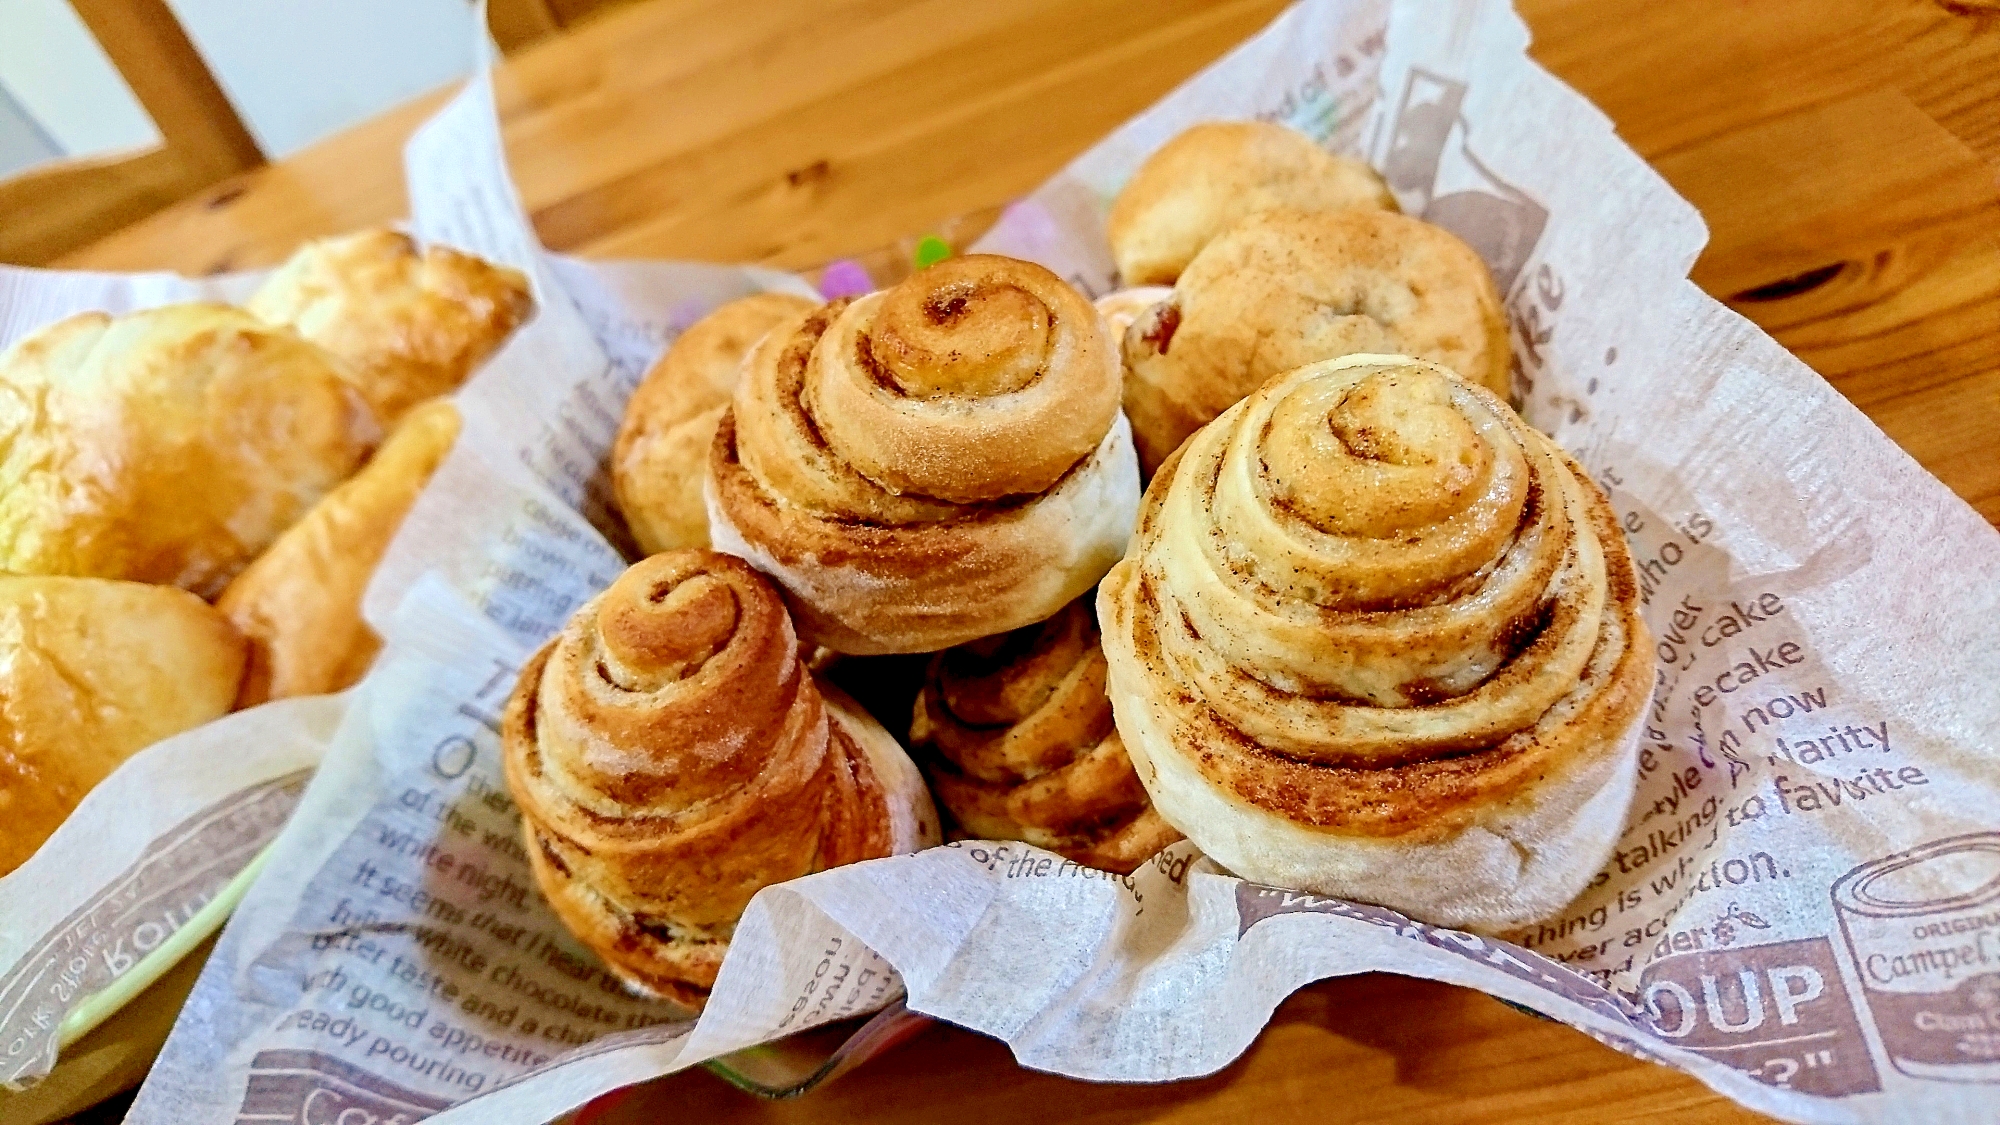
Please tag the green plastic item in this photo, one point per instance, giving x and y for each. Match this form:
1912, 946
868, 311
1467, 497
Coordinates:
931, 250
99, 1005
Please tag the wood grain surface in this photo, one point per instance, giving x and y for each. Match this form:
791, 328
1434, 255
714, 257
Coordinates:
1846, 156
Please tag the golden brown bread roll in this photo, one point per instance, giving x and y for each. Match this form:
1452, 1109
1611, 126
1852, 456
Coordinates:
1378, 639
91, 672
1285, 288
299, 604
170, 445
937, 462
661, 456
1014, 733
671, 757
1203, 181
409, 325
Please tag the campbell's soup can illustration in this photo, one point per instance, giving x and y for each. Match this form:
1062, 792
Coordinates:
1923, 927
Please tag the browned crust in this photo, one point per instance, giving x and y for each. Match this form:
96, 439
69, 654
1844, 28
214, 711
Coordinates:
91, 672
1435, 798
661, 452
409, 324
950, 576
299, 603
169, 445
1421, 793
1285, 288
1212, 175
940, 545
1015, 734
671, 756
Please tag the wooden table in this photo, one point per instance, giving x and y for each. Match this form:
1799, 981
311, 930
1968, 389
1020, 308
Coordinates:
1843, 152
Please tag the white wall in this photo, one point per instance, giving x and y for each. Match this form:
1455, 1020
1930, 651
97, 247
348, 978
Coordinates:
301, 69
296, 70
59, 77
23, 142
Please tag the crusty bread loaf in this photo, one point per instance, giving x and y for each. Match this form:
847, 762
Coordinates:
91, 672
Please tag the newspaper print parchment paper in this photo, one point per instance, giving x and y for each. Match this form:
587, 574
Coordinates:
1804, 912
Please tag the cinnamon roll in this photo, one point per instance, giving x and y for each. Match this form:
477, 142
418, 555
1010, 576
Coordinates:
1283, 289
661, 456
1203, 181
1015, 734
1376, 638
929, 464
672, 756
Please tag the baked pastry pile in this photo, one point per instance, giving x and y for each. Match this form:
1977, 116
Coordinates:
202, 451
941, 463
672, 755
1366, 633
1373, 637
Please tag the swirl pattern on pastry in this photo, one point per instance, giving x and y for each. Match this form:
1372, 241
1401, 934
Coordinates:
671, 756
1015, 734
929, 464
1204, 180
661, 455
1377, 638
1283, 289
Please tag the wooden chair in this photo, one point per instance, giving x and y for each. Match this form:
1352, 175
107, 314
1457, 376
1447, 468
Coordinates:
49, 211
